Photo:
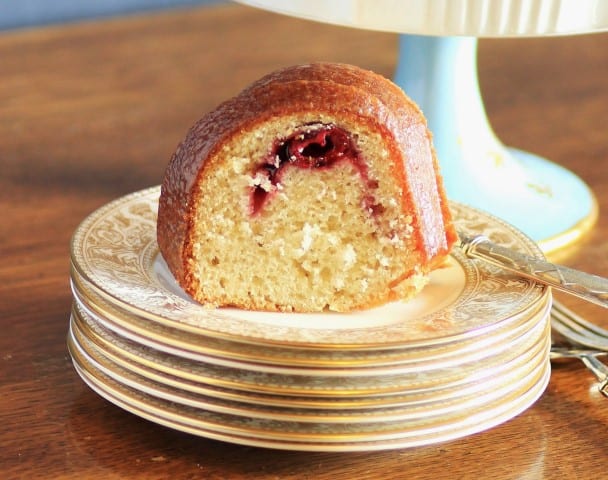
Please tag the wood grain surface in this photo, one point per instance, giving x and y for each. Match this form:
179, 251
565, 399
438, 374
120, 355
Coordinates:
92, 111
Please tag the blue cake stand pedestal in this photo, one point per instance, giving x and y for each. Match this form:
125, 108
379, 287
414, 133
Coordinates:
544, 200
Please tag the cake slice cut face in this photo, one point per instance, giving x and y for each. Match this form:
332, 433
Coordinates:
314, 189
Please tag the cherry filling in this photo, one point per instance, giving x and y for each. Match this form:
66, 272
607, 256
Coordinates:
314, 146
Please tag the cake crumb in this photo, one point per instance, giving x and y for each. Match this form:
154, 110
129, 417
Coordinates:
262, 181
308, 232
350, 256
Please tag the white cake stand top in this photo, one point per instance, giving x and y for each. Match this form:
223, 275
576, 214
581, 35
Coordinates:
478, 18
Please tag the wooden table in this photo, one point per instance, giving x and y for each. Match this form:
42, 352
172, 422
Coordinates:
92, 111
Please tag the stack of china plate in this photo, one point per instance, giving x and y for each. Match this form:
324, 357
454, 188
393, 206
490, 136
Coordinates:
468, 353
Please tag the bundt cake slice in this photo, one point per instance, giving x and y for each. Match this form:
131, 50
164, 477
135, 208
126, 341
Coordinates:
316, 188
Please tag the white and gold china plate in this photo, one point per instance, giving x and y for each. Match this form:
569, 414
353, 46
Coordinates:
200, 347
414, 386
502, 347
296, 434
493, 389
286, 360
469, 352
115, 252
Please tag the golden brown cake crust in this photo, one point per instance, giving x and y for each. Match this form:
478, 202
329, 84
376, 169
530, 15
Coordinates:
337, 89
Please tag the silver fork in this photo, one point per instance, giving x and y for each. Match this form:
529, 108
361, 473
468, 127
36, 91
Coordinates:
576, 329
580, 332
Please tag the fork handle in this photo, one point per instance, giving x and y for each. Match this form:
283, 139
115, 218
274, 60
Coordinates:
589, 287
599, 370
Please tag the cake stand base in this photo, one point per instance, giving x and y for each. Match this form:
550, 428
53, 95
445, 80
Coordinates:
546, 201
